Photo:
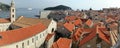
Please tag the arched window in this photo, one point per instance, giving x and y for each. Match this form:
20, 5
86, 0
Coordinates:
13, 16
52, 29
12, 10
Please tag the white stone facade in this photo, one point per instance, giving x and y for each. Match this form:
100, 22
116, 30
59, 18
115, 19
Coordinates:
4, 26
44, 14
35, 41
50, 42
52, 26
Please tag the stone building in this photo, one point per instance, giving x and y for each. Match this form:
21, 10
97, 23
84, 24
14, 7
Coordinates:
6, 22
26, 32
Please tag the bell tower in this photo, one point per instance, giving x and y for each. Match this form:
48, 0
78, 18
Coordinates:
12, 11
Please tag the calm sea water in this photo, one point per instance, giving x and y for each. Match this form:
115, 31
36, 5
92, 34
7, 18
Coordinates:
21, 12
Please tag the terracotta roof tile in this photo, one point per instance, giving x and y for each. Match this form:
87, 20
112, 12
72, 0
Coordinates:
70, 18
80, 31
49, 36
101, 34
113, 25
62, 43
84, 20
54, 45
24, 21
109, 20
12, 36
89, 22
4, 20
69, 26
77, 34
78, 22
104, 37
88, 38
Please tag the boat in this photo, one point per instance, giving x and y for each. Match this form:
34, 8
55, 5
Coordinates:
29, 8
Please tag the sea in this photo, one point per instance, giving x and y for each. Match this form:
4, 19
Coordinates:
21, 12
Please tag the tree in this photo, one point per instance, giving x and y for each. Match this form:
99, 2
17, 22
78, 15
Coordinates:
4, 6
90, 9
59, 7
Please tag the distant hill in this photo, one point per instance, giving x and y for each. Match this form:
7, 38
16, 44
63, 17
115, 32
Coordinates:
4, 6
59, 7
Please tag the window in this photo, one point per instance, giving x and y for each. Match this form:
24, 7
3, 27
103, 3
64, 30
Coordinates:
16, 46
32, 40
22, 45
52, 29
28, 42
46, 32
40, 35
43, 34
98, 45
37, 38
12, 10
13, 16
88, 46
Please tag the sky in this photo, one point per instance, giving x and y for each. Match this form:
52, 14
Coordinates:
74, 4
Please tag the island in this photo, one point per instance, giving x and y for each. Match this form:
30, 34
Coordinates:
59, 7
4, 7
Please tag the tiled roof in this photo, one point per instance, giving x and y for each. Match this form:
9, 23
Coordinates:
69, 26
100, 24
78, 22
95, 31
84, 20
54, 45
113, 25
13, 36
4, 20
70, 18
89, 22
88, 38
104, 31
80, 31
62, 43
49, 36
104, 37
109, 20
24, 21
77, 34
45, 21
